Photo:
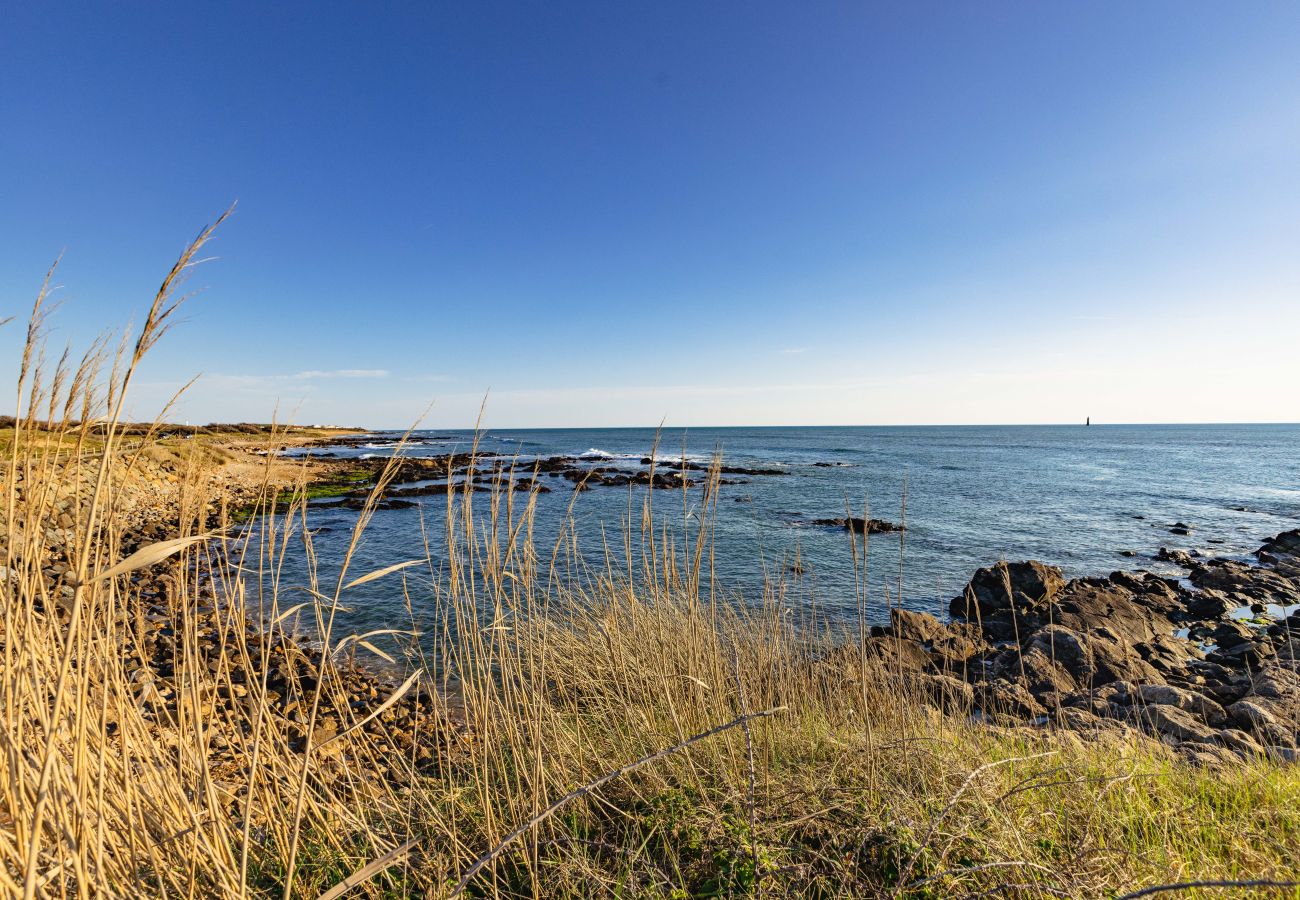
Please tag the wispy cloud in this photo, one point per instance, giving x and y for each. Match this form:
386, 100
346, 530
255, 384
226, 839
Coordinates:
290, 383
339, 373
790, 351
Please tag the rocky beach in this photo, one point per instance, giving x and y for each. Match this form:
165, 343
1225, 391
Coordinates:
260, 658
1206, 663
210, 679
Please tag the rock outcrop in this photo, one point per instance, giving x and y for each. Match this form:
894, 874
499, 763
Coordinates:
860, 525
1212, 668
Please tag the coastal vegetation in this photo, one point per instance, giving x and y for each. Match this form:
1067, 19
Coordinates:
182, 720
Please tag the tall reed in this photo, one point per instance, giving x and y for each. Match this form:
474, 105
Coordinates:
183, 718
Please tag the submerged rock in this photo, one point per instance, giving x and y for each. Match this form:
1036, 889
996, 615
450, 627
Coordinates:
860, 525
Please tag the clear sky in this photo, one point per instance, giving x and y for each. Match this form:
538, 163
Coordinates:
709, 213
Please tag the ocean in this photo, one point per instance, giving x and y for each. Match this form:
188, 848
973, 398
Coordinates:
1088, 499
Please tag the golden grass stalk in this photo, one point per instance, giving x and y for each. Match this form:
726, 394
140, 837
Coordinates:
179, 721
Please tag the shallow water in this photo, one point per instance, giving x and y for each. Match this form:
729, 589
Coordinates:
1071, 496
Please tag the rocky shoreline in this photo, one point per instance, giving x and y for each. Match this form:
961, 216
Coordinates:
348, 483
1209, 664
415, 477
243, 673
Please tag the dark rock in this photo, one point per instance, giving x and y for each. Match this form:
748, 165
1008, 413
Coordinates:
1177, 557
1246, 583
1255, 718
1285, 544
1239, 742
860, 526
879, 656
1067, 648
1001, 700
1006, 587
1231, 634
1171, 722
1024, 641
916, 626
897, 654
1189, 701
1208, 604
954, 649
1047, 679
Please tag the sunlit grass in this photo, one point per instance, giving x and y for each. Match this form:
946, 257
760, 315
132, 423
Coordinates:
117, 779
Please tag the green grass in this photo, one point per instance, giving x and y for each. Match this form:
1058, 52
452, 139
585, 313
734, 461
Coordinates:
564, 674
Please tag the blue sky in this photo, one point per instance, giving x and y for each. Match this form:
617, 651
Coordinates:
613, 214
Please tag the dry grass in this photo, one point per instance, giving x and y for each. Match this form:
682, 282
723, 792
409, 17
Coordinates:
119, 780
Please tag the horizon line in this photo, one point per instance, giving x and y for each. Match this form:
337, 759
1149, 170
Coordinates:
870, 425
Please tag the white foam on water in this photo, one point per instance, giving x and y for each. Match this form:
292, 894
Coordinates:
597, 453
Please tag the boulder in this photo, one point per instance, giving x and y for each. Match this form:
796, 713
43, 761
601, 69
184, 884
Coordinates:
916, 626
1000, 699
1125, 648
1271, 707
1252, 717
1282, 551
1045, 678
1190, 701
1089, 604
1208, 603
897, 654
954, 648
1091, 726
1177, 557
1231, 633
1009, 586
1279, 684
1171, 723
949, 646
882, 657
1205, 754
1117, 659
1222, 684
1249, 654
1067, 647
1168, 655
1104, 702
1246, 583
1239, 742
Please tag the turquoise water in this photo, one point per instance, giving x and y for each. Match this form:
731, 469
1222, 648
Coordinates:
1068, 495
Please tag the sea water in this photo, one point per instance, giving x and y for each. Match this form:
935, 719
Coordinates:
1088, 499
